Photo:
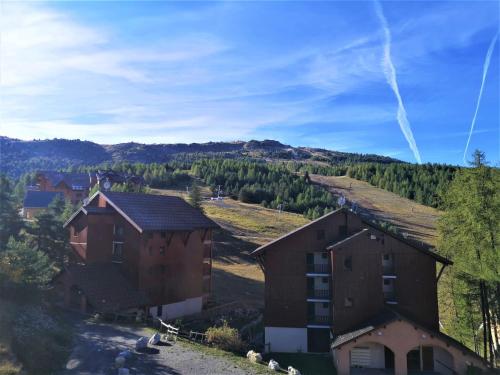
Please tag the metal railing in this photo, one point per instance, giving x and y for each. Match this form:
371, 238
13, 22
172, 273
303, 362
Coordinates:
320, 319
318, 293
318, 268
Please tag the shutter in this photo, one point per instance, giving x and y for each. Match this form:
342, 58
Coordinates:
361, 357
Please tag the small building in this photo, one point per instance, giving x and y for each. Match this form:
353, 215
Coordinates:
74, 186
342, 284
135, 252
36, 201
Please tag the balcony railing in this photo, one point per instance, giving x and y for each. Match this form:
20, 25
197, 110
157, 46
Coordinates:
318, 293
318, 268
390, 296
117, 258
325, 320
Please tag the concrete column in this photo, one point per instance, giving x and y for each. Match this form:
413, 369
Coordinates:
342, 362
400, 365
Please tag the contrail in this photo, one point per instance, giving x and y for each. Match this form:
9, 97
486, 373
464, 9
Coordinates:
390, 75
485, 72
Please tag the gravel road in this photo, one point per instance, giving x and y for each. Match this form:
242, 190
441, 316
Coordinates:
97, 345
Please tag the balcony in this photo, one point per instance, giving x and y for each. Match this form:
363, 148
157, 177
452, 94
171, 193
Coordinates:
319, 320
390, 298
319, 268
318, 294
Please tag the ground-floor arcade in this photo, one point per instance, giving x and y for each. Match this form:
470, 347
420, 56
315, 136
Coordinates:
400, 347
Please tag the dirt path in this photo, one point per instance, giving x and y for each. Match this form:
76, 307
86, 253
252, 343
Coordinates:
97, 345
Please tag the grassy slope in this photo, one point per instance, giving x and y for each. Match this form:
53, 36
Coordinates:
417, 220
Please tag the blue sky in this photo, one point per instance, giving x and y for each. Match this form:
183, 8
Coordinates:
320, 74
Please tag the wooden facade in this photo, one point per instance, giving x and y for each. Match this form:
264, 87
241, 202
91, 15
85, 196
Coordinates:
334, 273
169, 266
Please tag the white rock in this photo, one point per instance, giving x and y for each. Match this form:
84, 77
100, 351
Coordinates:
142, 343
250, 354
254, 356
273, 365
119, 362
155, 339
293, 371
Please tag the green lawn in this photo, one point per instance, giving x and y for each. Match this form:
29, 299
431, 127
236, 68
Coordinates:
307, 364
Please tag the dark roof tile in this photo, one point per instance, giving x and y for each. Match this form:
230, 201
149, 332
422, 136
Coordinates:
40, 199
159, 212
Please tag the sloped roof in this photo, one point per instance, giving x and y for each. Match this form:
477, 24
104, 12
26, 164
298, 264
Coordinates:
151, 212
106, 289
40, 199
416, 245
71, 179
158, 212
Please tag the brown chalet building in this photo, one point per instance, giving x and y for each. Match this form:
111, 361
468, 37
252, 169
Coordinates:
138, 251
341, 284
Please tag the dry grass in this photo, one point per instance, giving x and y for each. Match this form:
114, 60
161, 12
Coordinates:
417, 220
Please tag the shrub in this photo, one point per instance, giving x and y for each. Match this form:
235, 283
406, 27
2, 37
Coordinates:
225, 338
40, 342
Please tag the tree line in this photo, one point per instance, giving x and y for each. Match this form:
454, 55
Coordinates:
271, 185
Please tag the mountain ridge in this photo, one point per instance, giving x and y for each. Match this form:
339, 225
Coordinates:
20, 156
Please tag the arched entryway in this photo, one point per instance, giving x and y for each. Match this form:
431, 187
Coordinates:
429, 360
371, 357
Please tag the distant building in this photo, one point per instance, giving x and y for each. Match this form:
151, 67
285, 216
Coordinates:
74, 186
36, 201
139, 251
341, 284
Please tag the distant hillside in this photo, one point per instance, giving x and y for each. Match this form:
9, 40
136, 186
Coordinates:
19, 156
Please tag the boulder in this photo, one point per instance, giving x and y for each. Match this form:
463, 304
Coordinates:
273, 365
293, 371
142, 343
155, 339
254, 356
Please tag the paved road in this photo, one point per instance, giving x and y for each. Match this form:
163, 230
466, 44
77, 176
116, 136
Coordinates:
97, 345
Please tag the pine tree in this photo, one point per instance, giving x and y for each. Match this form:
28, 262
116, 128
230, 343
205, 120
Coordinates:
195, 196
10, 221
468, 234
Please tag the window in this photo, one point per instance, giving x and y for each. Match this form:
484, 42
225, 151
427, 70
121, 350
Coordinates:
118, 230
348, 302
151, 250
163, 234
324, 255
320, 234
325, 305
387, 282
162, 250
162, 269
324, 280
348, 263
386, 257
